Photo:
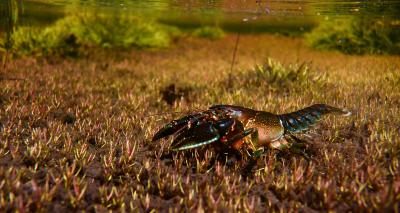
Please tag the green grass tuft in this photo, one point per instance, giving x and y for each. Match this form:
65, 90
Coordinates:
273, 75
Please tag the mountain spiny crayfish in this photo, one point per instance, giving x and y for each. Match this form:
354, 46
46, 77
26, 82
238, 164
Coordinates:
244, 129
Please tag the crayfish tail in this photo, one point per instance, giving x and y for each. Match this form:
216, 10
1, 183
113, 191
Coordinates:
301, 120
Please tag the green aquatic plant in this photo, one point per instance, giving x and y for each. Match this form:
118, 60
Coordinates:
51, 40
71, 34
10, 11
357, 36
117, 31
209, 32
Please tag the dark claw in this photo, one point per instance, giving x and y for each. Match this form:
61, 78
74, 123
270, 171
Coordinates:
224, 125
197, 136
167, 130
175, 126
202, 130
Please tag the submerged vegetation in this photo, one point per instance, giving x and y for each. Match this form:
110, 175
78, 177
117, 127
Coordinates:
74, 33
209, 32
375, 29
358, 36
9, 11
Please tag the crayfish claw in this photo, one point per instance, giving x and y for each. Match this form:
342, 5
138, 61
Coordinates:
175, 125
197, 136
164, 132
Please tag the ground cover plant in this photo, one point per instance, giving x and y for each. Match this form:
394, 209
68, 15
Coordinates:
76, 133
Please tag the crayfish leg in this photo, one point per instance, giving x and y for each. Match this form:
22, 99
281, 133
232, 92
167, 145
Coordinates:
236, 141
237, 144
248, 170
298, 149
280, 144
292, 144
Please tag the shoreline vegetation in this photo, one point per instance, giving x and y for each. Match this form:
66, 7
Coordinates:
76, 134
74, 33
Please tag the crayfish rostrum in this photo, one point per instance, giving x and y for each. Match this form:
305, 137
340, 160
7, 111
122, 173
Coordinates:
244, 129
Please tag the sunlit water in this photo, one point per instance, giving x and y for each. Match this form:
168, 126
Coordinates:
34, 12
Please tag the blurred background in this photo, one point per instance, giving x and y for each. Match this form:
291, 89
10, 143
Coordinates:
68, 28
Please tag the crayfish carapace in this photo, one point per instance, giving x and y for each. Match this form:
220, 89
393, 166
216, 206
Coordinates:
244, 129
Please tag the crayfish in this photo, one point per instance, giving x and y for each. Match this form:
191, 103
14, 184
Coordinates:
244, 129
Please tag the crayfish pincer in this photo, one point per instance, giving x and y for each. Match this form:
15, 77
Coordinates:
244, 129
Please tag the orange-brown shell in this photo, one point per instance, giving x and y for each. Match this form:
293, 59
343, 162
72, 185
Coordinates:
268, 126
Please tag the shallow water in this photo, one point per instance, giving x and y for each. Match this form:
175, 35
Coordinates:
360, 24
304, 13
272, 7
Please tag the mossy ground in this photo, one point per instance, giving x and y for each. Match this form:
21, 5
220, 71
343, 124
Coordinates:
76, 133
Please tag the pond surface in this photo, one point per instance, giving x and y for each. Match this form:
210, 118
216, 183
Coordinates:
255, 14
355, 27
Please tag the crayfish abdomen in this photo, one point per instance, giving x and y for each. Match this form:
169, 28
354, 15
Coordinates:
231, 125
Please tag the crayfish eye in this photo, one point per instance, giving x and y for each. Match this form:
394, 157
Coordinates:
224, 124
